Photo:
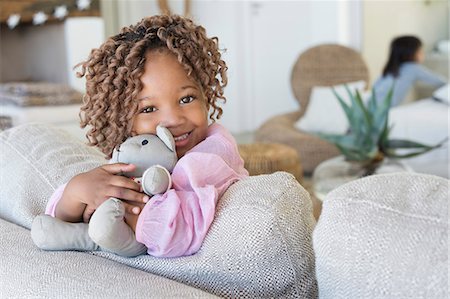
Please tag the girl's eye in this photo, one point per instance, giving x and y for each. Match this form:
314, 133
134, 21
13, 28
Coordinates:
148, 109
187, 100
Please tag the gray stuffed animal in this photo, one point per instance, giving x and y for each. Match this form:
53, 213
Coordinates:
154, 157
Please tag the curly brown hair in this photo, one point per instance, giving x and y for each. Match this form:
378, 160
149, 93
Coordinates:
113, 74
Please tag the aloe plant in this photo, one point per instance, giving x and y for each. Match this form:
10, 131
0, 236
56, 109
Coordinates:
368, 136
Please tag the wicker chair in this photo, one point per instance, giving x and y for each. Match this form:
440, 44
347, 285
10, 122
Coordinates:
323, 65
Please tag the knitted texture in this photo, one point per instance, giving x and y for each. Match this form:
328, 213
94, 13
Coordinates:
259, 244
35, 159
28, 272
384, 236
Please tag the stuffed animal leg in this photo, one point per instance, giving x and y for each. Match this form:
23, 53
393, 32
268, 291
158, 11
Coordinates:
51, 233
108, 229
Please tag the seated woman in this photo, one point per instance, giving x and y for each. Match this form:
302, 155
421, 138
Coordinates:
404, 68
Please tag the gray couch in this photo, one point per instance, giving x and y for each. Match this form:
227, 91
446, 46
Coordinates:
259, 244
379, 237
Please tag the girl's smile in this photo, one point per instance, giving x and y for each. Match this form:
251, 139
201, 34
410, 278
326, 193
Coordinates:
182, 140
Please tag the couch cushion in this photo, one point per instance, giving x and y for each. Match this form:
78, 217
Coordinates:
259, 244
384, 236
35, 159
28, 272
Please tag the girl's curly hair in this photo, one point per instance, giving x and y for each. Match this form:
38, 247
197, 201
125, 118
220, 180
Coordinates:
113, 74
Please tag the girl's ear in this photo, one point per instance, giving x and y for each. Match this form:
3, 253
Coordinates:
164, 134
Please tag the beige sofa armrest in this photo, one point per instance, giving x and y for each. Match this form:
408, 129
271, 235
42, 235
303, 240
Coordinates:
384, 236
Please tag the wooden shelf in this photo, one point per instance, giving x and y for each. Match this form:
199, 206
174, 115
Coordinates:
27, 8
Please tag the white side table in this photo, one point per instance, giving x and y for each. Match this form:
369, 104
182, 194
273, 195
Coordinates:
337, 171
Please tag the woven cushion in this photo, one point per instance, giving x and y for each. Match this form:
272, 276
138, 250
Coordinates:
259, 244
385, 236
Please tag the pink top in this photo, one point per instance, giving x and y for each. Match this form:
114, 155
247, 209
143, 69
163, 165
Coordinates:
175, 223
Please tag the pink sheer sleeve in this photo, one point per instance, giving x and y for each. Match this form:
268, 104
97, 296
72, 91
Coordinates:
54, 199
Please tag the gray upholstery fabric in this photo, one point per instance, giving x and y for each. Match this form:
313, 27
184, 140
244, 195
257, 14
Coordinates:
384, 236
259, 244
27, 272
35, 159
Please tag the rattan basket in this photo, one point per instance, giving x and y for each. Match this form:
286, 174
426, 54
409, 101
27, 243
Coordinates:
266, 158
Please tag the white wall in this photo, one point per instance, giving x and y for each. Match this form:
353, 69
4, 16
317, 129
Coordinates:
81, 35
26, 55
279, 32
262, 40
50, 51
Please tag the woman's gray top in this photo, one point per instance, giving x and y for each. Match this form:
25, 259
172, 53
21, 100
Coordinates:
409, 74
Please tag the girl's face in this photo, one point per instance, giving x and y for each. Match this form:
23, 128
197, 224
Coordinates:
420, 55
172, 99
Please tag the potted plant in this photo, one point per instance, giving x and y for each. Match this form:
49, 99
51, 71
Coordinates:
366, 147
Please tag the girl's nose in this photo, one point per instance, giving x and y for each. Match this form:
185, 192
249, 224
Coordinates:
172, 117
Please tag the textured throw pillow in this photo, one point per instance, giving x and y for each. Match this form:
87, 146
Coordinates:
442, 94
259, 245
384, 236
425, 121
34, 160
324, 113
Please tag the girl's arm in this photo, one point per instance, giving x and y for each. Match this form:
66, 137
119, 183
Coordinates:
76, 201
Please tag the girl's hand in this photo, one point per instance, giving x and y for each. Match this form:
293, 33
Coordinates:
131, 218
86, 191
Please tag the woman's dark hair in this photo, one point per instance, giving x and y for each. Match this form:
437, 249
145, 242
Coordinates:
403, 49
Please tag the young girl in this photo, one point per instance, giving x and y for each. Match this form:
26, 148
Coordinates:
404, 68
162, 71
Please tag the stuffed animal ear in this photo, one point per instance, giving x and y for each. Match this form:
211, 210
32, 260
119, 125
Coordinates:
166, 137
